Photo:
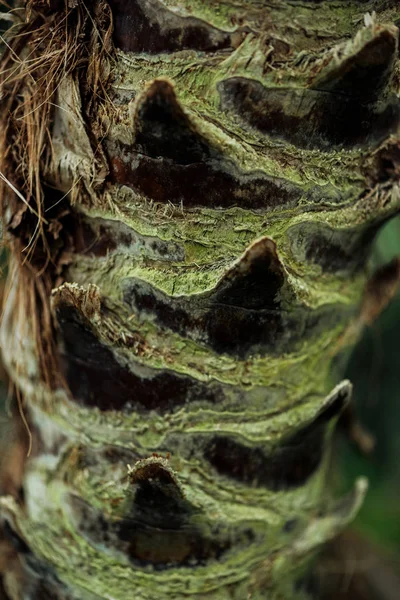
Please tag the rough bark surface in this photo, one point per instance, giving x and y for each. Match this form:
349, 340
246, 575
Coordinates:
199, 184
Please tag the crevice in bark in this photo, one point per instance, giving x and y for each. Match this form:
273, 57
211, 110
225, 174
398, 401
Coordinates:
100, 237
95, 378
348, 102
364, 72
159, 532
163, 129
241, 313
289, 465
148, 26
309, 118
333, 250
171, 161
219, 321
208, 184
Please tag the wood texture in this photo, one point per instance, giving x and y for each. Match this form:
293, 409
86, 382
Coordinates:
202, 183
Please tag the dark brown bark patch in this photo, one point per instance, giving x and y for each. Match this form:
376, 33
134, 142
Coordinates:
209, 184
365, 73
99, 237
171, 161
163, 128
159, 532
95, 377
334, 250
287, 466
251, 310
241, 313
227, 328
309, 118
148, 26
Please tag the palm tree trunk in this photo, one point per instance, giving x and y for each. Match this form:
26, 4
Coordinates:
190, 190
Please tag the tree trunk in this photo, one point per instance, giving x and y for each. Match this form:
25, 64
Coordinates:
190, 190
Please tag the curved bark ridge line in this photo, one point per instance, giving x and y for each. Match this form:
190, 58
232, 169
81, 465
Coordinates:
253, 484
194, 264
161, 530
155, 493
170, 161
196, 231
365, 67
303, 539
100, 237
334, 250
287, 465
147, 26
137, 337
151, 20
97, 379
157, 524
345, 104
333, 115
126, 518
251, 310
327, 120
120, 373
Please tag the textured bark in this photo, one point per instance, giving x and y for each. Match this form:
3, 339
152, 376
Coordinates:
200, 183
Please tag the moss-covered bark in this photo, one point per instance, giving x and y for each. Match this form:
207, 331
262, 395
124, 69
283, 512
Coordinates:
199, 185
